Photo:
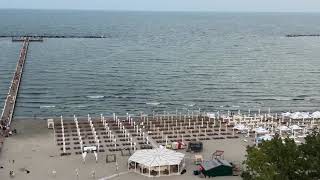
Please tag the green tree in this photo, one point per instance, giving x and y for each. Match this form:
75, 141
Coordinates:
284, 160
310, 150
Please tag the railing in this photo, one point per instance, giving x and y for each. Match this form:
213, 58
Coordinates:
11, 98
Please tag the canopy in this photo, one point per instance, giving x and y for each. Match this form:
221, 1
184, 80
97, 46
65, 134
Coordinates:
266, 137
295, 127
316, 114
211, 115
287, 114
261, 130
157, 157
283, 128
240, 127
300, 115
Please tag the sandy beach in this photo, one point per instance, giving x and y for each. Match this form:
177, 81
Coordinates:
34, 149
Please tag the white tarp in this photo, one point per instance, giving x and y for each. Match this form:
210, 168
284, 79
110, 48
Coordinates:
157, 157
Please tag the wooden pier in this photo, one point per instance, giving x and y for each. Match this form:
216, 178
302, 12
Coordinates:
41, 37
11, 98
31, 39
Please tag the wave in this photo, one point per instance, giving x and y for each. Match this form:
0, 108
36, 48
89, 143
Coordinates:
95, 97
153, 103
47, 106
190, 105
283, 98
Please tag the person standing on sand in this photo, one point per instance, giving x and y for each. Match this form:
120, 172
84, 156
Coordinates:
77, 173
93, 174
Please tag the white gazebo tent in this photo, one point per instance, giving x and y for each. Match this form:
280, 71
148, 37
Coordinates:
157, 162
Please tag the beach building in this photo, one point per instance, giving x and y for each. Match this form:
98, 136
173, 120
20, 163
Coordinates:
157, 162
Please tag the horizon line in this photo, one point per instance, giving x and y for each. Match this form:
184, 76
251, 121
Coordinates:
136, 10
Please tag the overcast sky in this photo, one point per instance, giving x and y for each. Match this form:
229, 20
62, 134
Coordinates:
170, 5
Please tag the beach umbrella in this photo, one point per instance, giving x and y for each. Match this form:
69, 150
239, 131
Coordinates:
260, 130
143, 136
295, 127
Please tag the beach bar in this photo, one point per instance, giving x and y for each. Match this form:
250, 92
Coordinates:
156, 162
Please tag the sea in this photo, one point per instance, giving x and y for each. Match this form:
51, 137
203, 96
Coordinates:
162, 61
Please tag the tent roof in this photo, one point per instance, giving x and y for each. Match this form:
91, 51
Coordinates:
207, 165
157, 157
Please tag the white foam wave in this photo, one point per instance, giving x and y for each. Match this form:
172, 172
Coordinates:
190, 105
47, 106
95, 97
153, 103
81, 106
282, 98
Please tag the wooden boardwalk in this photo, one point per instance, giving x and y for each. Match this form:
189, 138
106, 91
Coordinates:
11, 98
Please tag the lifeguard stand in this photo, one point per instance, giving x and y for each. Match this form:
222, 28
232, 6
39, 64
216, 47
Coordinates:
50, 123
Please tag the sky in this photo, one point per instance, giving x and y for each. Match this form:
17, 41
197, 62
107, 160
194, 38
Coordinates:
169, 5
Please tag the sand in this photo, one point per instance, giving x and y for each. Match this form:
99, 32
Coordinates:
34, 148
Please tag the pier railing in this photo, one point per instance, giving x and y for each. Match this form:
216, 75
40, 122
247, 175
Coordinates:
10, 101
